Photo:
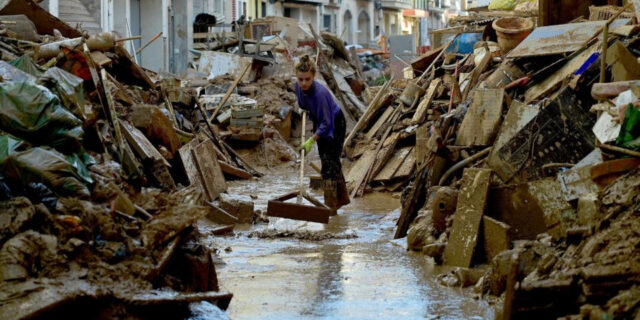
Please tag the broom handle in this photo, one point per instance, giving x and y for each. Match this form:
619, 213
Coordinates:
301, 186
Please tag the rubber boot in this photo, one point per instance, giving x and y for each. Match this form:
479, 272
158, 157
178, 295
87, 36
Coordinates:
331, 195
343, 193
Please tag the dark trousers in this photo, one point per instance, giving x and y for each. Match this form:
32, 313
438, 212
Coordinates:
331, 148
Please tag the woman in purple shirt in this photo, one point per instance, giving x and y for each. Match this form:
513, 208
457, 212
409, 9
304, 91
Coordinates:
329, 126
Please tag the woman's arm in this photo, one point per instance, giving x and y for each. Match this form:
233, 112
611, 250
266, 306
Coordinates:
325, 128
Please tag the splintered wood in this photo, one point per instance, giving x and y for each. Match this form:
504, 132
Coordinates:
202, 167
424, 105
472, 200
482, 121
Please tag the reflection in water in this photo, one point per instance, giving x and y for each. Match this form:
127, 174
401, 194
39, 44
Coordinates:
367, 277
329, 284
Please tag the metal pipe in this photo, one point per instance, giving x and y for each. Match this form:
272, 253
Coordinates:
463, 163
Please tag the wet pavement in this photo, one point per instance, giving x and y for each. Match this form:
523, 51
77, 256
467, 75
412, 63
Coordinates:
355, 272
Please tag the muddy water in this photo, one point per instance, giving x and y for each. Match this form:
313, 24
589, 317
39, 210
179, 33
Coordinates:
355, 272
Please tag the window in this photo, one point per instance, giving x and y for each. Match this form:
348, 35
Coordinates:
244, 9
326, 22
264, 9
287, 12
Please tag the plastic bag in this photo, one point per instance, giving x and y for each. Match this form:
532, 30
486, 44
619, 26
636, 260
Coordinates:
9, 73
26, 64
67, 87
629, 136
39, 165
31, 112
506, 5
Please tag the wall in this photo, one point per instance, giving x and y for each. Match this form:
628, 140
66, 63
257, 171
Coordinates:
151, 15
182, 35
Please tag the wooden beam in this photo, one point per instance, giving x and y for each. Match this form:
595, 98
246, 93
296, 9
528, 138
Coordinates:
298, 211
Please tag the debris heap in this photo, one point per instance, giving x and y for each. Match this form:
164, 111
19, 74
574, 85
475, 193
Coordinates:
520, 155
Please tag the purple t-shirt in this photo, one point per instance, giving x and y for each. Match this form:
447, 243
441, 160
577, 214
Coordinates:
321, 106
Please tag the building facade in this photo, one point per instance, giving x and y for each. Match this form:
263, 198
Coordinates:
354, 21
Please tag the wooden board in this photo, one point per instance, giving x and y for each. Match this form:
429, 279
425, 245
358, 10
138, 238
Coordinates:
391, 167
481, 123
212, 178
188, 163
100, 58
360, 168
143, 147
472, 200
236, 172
376, 126
517, 117
496, 237
475, 74
296, 211
424, 105
407, 167
385, 153
624, 65
552, 82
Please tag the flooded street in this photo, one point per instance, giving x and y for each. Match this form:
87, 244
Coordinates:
348, 269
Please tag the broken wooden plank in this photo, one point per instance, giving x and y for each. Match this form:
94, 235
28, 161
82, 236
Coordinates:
386, 151
234, 171
415, 200
189, 164
475, 74
379, 123
141, 144
212, 179
100, 58
496, 237
624, 65
359, 169
371, 109
541, 89
296, 211
472, 201
391, 166
424, 105
407, 167
219, 215
481, 123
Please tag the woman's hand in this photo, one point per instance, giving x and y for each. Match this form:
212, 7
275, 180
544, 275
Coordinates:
307, 145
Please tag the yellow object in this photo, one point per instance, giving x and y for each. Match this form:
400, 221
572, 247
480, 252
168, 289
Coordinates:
307, 145
506, 5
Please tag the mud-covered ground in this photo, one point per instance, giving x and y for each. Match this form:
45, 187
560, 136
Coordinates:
347, 269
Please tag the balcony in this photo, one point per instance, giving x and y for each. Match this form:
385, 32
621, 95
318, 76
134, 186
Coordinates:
396, 4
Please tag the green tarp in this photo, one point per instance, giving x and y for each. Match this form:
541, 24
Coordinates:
67, 87
34, 114
26, 64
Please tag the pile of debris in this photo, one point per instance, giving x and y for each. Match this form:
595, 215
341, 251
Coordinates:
105, 170
519, 154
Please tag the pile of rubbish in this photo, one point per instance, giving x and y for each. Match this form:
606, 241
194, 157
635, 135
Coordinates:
106, 166
104, 173
516, 148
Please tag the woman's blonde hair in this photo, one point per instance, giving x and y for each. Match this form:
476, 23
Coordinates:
306, 65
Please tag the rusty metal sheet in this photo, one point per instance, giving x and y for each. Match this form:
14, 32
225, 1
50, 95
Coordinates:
296, 211
559, 39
